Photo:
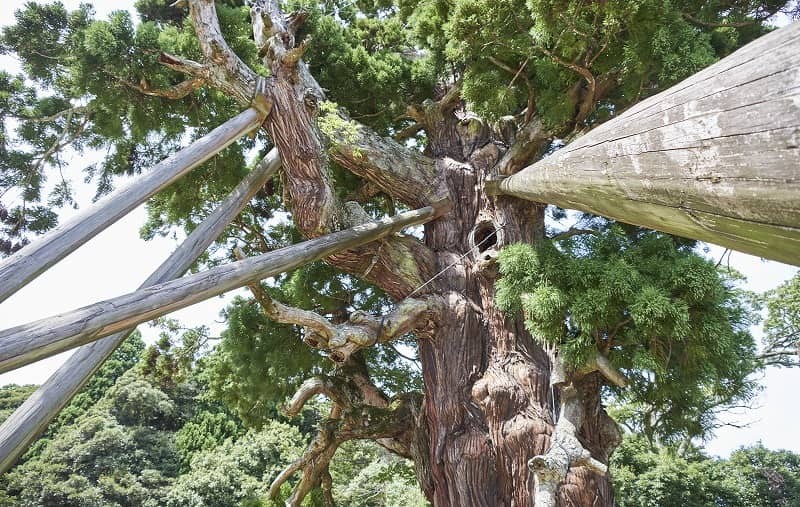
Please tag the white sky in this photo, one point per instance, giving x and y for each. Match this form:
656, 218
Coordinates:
116, 261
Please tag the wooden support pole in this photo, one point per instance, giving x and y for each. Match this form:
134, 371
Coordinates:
715, 158
22, 267
32, 417
31, 342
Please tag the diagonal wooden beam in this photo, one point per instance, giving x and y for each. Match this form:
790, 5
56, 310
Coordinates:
31, 342
22, 267
32, 417
715, 158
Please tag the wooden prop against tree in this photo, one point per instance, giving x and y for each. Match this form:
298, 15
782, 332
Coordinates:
31, 342
32, 417
715, 158
19, 269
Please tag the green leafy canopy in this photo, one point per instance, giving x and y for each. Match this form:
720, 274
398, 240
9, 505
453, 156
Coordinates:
665, 316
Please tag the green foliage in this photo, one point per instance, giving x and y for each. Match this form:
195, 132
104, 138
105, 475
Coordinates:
123, 359
147, 442
11, 397
259, 363
644, 476
81, 91
765, 477
662, 314
506, 50
782, 327
366, 475
367, 64
237, 473
205, 431
99, 459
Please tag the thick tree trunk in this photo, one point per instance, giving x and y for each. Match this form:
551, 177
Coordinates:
489, 403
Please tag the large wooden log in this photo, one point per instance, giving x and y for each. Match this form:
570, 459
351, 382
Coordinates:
22, 267
31, 342
715, 158
32, 417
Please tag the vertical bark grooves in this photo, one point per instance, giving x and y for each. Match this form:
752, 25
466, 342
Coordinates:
489, 404
294, 131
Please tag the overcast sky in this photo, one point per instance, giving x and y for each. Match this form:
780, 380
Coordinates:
117, 261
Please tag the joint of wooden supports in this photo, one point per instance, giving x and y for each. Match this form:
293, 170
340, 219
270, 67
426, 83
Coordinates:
20, 429
491, 185
36, 340
261, 101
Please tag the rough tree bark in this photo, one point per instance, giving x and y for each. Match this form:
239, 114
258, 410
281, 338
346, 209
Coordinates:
488, 403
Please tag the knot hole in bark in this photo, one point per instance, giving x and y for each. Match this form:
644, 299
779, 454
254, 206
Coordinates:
484, 237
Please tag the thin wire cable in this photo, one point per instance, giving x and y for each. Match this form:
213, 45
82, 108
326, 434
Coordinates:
437, 275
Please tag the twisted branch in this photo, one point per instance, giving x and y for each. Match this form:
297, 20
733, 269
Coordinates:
360, 331
356, 414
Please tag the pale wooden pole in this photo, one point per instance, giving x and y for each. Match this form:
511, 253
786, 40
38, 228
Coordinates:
715, 158
32, 417
31, 342
22, 267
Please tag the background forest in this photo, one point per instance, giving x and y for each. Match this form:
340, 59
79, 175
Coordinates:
155, 428
194, 419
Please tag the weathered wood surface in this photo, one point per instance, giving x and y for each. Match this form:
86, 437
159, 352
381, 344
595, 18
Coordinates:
31, 342
22, 267
32, 417
715, 158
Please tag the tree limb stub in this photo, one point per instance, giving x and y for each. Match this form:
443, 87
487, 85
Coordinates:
601, 364
529, 142
30, 342
32, 417
713, 158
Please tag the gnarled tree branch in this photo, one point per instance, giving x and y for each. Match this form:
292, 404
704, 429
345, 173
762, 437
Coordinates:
176, 92
225, 70
357, 414
360, 331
